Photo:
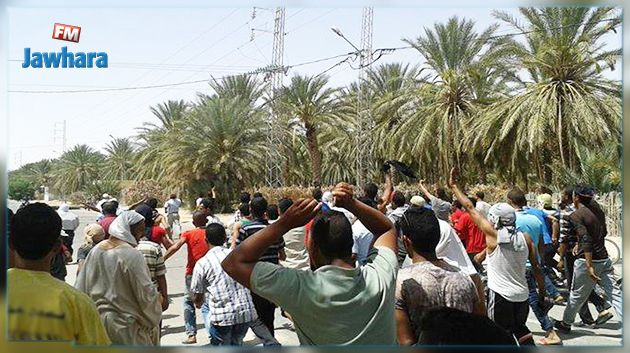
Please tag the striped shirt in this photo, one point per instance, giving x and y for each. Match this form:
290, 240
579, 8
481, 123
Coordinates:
567, 231
152, 253
230, 303
271, 254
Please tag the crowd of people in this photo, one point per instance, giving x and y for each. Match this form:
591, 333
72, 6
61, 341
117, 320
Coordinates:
394, 269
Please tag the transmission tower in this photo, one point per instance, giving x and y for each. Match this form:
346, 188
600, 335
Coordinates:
365, 122
60, 132
274, 158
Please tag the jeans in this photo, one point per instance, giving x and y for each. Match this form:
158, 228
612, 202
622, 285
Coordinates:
543, 318
582, 286
599, 302
228, 335
190, 318
550, 288
262, 332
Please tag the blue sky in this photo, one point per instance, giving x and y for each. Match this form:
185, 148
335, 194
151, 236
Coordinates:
153, 46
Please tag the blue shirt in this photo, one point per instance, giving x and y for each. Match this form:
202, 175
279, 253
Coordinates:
542, 217
530, 224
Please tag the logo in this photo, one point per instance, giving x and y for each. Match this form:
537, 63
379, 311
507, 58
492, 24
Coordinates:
64, 58
68, 33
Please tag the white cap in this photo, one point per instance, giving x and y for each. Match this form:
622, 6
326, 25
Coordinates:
418, 201
106, 196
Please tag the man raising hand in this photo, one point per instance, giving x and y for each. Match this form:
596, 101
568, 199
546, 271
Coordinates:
336, 303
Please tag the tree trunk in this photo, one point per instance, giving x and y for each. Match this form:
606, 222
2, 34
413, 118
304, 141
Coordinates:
560, 133
314, 153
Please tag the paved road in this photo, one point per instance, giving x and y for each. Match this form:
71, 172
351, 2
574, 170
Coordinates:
173, 324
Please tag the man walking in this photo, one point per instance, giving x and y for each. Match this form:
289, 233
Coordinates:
171, 208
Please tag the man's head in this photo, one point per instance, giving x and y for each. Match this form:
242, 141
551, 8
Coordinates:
331, 238
582, 195
516, 198
398, 199
368, 201
257, 194
199, 219
173, 196
215, 234
566, 196
272, 212
480, 195
152, 202
109, 208
245, 197
544, 201
418, 201
502, 215
244, 209
207, 205
421, 231
35, 232
258, 207
106, 196
457, 205
284, 204
317, 194
441, 194
370, 190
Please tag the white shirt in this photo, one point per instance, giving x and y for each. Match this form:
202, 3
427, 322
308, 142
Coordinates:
172, 205
451, 249
483, 207
198, 202
506, 272
69, 221
362, 241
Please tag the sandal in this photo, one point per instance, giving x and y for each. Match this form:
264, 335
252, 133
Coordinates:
547, 342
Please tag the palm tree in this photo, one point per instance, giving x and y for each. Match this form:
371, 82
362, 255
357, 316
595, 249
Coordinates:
456, 55
245, 87
566, 101
313, 104
77, 168
41, 172
120, 158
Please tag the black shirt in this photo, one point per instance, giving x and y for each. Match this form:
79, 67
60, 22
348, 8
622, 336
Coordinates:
147, 212
590, 233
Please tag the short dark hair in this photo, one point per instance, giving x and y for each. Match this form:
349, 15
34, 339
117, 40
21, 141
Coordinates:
517, 196
370, 190
109, 208
421, 226
244, 209
368, 201
444, 326
284, 204
198, 217
35, 229
245, 197
398, 199
215, 234
258, 206
257, 194
457, 204
480, 195
208, 203
317, 194
568, 191
272, 212
152, 202
332, 235
173, 196
441, 194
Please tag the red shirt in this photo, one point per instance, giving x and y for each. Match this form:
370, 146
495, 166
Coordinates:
157, 233
455, 216
105, 223
470, 234
197, 247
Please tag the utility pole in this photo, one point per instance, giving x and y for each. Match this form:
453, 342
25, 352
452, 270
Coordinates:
365, 122
60, 132
274, 158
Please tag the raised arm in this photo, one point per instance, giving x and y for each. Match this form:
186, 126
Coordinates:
239, 264
387, 193
90, 207
425, 191
382, 228
481, 221
134, 205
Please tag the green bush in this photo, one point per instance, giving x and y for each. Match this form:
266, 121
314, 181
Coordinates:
20, 188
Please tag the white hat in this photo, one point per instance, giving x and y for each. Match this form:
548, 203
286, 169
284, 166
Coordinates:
106, 196
418, 201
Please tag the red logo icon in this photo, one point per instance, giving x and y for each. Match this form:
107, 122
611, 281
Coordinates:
68, 33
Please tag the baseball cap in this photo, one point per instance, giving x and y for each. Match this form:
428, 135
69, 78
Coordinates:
418, 201
545, 200
106, 196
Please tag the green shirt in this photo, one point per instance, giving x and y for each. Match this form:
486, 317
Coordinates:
333, 305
